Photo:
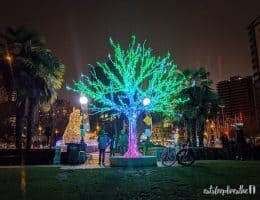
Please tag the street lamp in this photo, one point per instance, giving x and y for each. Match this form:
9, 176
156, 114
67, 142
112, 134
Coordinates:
40, 135
40, 129
146, 101
83, 101
9, 58
147, 119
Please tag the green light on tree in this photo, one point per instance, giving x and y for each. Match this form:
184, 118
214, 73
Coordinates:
135, 75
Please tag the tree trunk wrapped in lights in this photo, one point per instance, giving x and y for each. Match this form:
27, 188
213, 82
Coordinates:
132, 151
134, 74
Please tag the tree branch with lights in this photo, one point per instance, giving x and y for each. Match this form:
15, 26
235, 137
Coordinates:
139, 82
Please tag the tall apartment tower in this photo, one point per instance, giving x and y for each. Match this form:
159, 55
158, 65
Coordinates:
254, 41
238, 96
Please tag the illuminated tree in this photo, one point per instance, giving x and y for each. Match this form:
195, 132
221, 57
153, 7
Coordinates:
72, 131
137, 82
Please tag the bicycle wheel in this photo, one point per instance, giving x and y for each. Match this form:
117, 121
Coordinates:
185, 157
168, 158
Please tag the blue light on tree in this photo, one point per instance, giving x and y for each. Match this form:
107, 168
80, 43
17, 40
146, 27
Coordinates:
139, 82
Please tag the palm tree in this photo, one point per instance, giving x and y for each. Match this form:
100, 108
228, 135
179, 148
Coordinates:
45, 83
14, 41
37, 74
203, 103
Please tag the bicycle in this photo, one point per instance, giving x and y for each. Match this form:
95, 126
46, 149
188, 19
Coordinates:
184, 156
168, 156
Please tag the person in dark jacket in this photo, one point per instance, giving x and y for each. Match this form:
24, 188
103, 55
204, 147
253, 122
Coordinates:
112, 145
103, 141
123, 139
224, 140
241, 144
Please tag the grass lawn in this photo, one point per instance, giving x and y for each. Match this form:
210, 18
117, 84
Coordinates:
119, 183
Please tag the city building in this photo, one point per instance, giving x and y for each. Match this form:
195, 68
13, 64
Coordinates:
254, 43
238, 96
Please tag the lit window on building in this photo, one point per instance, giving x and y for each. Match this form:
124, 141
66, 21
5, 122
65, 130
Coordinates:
12, 120
13, 96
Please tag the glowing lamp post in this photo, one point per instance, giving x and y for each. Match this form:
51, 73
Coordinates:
83, 101
146, 101
9, 58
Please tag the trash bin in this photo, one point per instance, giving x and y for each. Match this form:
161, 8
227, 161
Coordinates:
82, 157
83, 146
73, 153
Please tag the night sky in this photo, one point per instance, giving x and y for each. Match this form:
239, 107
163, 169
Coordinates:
197, 33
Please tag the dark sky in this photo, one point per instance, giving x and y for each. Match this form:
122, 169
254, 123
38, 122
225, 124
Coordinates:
209, 33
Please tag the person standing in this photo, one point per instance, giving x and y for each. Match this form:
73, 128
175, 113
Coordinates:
112, 145
225, 144
103, 141
241, 143
224, 140
123, 141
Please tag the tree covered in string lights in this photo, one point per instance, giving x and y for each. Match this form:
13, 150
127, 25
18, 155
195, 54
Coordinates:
137, 82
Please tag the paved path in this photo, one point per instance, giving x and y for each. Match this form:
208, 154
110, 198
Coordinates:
90, 164
93, 164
